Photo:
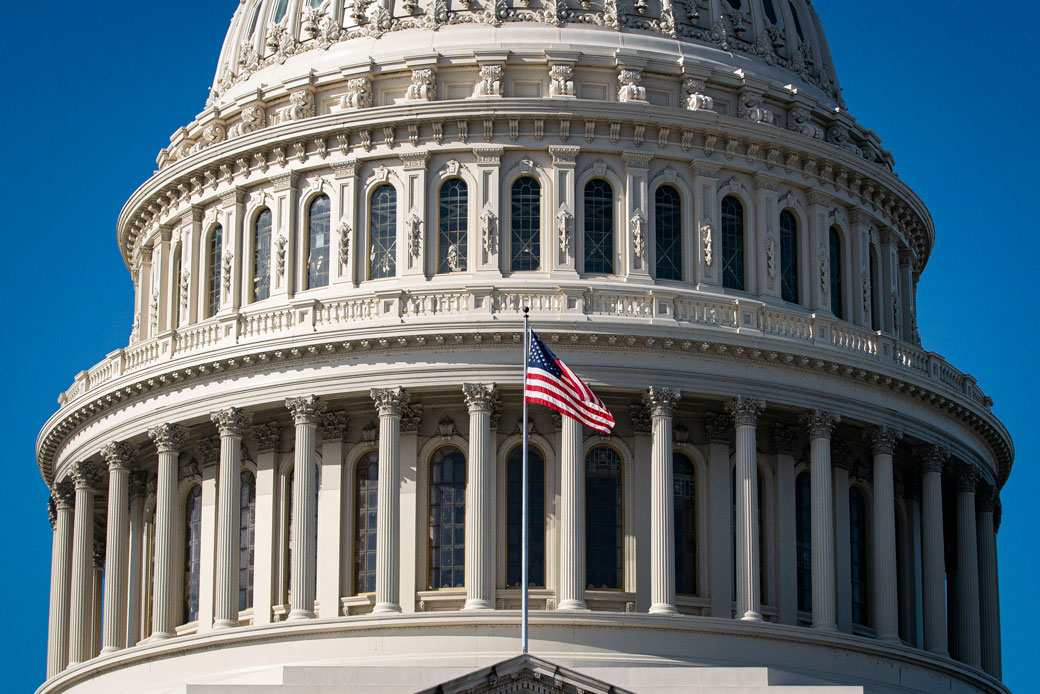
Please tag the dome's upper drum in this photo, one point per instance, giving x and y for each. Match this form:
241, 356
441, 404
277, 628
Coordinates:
779, 40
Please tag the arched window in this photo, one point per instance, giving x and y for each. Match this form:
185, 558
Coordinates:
858, 555
875, 316
262, 256
192, 552
366, 506
803, 539
247, 539
684, 499
279, 13
536, 516
318, 242
177, 265
451, 227
447, 557
837, 286
253, 21
382, 254
599, 226
788, 257
603, 536
216, 241
525, 225
797, 21
732, 243
668, 233
770, 10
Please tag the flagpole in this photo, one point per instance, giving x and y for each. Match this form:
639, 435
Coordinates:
524, 559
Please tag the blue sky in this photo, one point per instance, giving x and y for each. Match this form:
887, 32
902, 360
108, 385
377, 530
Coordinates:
95, 90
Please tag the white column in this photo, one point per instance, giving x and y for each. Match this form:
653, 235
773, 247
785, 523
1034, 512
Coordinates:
209, 468
933, 562
389, 402
841, 462
480, 499
661, 403
119, 457
785, 440
168, 439
720, 432
98, 584
268, 440
231, 423
305, 412
989, 591
820, 425
969, 643
88, 478
883, 442
135, 581
62, 499
571, 594
745, 412
333, 427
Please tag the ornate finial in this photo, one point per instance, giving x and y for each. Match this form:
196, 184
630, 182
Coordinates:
819, 423
931, 458
305, 409
479, 396
661, 401
88, 475
785, 439
639, 413
119, 455
64, 493
389, 400
332, 425
719, 427
268, 436
231, 422
168, 438
883, 440
745, 410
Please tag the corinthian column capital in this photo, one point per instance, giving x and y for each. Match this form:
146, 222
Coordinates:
119, 455
389, 401
932, 458
88, 475
819, 423
985, 498
168, 438
305, 409
231, 422
883, 440
480, 397
745, 410
661, 400
268, 436
966, 477
64, 493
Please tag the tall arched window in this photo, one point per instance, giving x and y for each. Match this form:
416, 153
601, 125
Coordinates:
366, 506
262, 256
788, 257
599, 226
247, 539
451, 226
536, 516
525, 224
603, 530
668, 233
803, 539
684, 500
216, 242
858, 555
874, 295
318, 229
382, 252
177, 265
837, 273
797, 21
447, 557
279, 13
256, 17
732, 243
192, 552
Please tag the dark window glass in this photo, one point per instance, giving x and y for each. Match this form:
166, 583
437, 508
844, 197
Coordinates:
797, 21
366, 507
192, 552
279, 13
684, 499
770, 10
875, 319
318, 242
526, 225
216, 240
837, 286
382, 256
451, 231
603, 549
253, 21
668, 233
599, 226
732, 243
447, 559
247, 539
803, 539
735, 4
262, 256
859, 558
536, 516
788, 257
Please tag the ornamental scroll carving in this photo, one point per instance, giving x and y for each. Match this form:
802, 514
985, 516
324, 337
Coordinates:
489, 82
638, 227
301, 105
344, 244
167, 437
630, 86
771, 257
489, 231
660, 401
479, 396
745, 411
305, 409
389, 401
358, 94
415, 238
421, 88
561, 80
706, 242
563, 224
696, 99
231, 422
225, 274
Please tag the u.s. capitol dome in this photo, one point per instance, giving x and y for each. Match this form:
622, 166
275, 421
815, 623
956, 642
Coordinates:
330, 267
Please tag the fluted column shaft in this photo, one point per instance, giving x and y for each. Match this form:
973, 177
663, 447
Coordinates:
61, 578
824, 602
231, 423
969, 644
886, 577
302, 568
135, 584
661, 404
87, 478
572, 518
168, 440
745, 413
119, 457
480, 500
933, 569
389, 402
989, 591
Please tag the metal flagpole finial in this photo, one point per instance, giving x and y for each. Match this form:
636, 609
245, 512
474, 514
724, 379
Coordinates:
527, 309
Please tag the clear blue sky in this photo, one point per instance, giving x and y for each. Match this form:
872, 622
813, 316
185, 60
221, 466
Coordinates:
95, 90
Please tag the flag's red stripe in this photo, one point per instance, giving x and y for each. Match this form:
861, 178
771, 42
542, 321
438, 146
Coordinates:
553, 404
594, 410
585, 415
568, 386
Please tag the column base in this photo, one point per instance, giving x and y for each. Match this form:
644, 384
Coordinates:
478, 604
227, 623
386, 608
663, 608
751, 616
109, 650
300, 614
828, 626
155, 638
572, 606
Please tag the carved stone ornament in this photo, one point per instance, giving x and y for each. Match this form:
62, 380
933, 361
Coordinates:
563, 224
446, 428
209, 453
819, 423
64, 493
370, 432
719, 427
119, 455
490, 81
184, 290
301, 105
696, 99
630, 86
358, 94
153, 313
966, 476
168, 438
561, 80
771, 257
411, 416
344, 243
225, 275
231, 422
88, 475
639, 414
706, 242
489, 231
660, 401
280, 245
268, 436
415, 236
421, 88
785, 439
883, 440
745, 411
389, 400
865, 281
824, 273
750, 108
305, 409
332, 425
479, 396
799, 120
638, 226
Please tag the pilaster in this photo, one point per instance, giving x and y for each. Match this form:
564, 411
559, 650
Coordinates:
333, 428
345, 250
785, 440
268, 440
416, 243
486, 247
767, 215
720, 436
561, 237
707, 226
635, 224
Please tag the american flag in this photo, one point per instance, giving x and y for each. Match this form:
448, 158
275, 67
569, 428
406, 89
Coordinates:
551, 383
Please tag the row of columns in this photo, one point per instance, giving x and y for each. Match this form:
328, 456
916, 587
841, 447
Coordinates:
73, 619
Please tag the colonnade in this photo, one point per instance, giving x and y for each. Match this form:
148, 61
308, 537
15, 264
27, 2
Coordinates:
75, 615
